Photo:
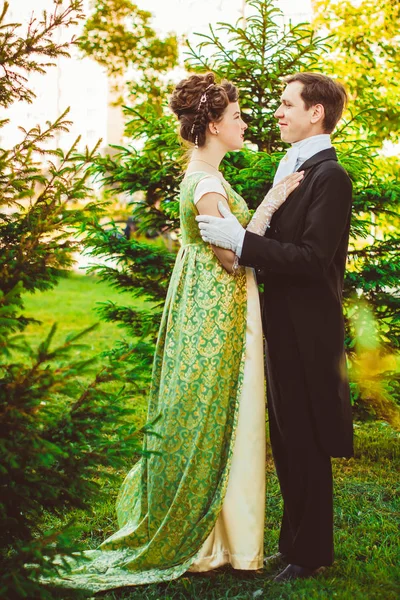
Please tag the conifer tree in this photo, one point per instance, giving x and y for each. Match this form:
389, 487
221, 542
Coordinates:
63, 421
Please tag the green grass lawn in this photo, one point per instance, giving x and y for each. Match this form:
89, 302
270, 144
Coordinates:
71, 304
366, 536
366, 492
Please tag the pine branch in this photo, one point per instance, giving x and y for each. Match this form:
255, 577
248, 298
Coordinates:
16, 53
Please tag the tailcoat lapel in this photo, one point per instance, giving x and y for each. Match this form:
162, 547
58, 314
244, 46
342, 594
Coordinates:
307, 166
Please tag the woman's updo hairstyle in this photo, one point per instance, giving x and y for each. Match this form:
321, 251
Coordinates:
197, 101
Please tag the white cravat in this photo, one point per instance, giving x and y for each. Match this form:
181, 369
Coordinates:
300, 152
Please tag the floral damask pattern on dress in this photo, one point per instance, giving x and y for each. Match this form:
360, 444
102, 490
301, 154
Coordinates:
170, 501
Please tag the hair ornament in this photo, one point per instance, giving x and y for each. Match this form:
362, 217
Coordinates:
203, 97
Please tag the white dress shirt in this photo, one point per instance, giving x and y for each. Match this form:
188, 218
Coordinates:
300, 152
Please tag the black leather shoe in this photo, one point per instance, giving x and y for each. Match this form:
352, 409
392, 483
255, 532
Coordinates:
298, 572
275, 560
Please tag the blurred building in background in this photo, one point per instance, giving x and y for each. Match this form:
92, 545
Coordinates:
296, 11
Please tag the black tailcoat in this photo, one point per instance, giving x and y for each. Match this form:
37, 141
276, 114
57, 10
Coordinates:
301, 260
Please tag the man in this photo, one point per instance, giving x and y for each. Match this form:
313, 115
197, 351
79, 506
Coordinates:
301, 261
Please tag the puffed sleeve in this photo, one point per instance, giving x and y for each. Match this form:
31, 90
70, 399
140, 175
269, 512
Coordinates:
208, 185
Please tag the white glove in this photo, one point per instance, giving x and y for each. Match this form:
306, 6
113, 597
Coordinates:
229, 234
273, 200
226, 233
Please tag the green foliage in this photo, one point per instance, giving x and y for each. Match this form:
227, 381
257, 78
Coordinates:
58, 441
365, 56
36, 208
120, 31
374, 371
373, 267
142, 270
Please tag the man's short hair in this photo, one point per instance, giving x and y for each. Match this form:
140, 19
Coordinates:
320, 89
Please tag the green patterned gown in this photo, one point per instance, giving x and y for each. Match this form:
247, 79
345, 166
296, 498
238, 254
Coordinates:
169, 503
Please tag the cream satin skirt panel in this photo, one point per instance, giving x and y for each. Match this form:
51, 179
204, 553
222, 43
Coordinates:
238, 536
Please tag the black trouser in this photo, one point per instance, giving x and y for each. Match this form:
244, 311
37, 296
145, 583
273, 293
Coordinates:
304, 469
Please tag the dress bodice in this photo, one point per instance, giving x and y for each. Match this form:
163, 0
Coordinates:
188, 212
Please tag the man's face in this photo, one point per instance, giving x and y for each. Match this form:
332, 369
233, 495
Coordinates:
293, 117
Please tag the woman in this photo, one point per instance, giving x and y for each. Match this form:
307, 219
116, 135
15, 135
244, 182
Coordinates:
198, 502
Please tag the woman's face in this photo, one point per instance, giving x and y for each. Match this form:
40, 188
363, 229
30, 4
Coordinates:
231, 128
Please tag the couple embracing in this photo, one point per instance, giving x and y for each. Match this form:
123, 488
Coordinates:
197, 500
